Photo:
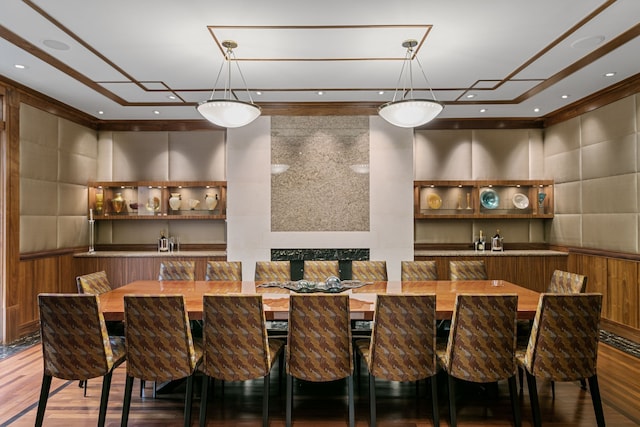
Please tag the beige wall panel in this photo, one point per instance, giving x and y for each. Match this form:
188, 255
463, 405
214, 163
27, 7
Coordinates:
139, 156
443, 231
105, 157
148, 232
38, 198
616, 194
536, 154
143, 232
563, 167
566, 230
537, 231
38, 233
442, 154
38, 127
38, 162
75, 138
562, 137
76, 168
615, 232
73, 200
500, 154
104, 232
195, 156
610, 122
568, 197
607, 158
73, 231
198, 231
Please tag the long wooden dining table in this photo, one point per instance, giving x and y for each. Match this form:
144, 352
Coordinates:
276, 300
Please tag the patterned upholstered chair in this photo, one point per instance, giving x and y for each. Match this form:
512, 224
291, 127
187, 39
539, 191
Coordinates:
236, 346
402, 348
318, 271
223, 271
369, 271
273, 271
319, 346
94, 283
418, 270
481, 345
467, 270
563, 345
75, 345
177, 270
563, 282
159, 345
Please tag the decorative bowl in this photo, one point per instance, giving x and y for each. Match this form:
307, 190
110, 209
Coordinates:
489, 199
434, 201
520, 201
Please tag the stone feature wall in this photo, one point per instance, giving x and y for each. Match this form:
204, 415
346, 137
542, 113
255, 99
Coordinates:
320, 191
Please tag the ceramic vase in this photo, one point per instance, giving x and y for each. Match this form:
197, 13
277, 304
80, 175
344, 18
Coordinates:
174, 201
117, 203
211, 201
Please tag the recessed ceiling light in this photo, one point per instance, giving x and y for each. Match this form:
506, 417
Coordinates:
171, 96
55, 44
320, 93
20, 66
564, 96
156, 112
258, 93
381, 92
611, 74
536, 110
101, 112
483, 110
471, 95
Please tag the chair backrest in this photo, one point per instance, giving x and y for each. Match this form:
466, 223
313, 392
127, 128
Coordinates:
94, 283
75, 344
482, 339
319, 346
368, 271
158, 338
318, 271
467, 270
235, 342
273, 271
418, 270
177, 270
403, 347
563, 282
223, 271
563, 345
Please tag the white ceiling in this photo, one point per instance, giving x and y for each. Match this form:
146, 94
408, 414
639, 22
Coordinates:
125, 57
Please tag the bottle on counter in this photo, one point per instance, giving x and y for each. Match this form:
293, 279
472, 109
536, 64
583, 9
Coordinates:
496, 242
481, 242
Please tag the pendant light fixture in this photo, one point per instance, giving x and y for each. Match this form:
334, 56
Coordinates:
408, 112
227, 112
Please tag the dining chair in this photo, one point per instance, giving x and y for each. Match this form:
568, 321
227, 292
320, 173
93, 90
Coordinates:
93, 283
223, 271
402, 345
563, 346
481, 345
75, 345
369, 271
564, 282
177, 270
236, 346
467, 270
319, 346
273, 271
318, 271
159, 345
418, 270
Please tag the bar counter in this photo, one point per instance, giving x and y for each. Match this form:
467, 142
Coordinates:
147, 254
471, 253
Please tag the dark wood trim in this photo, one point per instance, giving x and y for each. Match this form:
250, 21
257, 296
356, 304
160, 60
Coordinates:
620, 329
157, 125
599, 252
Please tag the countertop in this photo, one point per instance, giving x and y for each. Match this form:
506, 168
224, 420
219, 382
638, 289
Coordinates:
471, 253
151, 254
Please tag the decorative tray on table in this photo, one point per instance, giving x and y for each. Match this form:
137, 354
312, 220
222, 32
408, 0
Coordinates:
330, 286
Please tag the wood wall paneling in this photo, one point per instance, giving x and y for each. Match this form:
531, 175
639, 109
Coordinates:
595, 268
622, 284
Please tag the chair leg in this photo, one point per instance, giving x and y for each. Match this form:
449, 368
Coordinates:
597, 402
44, 396
583, 384
85, 387
452, 401
352, 413
553, 390
265, 401
203, 400
188, 400
128, 388
434, 400
104, 398
289, 402
372, 400
515, 404
521, 378
533, 397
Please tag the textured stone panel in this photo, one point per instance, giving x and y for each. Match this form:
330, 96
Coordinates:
562, 137
563, 167
614, 232
140, 156
320, 191
319, 254
500, 154
607, 158
197, 156
615, 195
442, 154
568, 198
610, 122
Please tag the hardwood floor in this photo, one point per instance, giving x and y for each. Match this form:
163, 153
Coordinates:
315, 404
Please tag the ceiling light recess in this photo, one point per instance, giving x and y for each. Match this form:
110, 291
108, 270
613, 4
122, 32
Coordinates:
408, 112
227, 112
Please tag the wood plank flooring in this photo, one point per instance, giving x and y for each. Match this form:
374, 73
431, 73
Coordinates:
321, 405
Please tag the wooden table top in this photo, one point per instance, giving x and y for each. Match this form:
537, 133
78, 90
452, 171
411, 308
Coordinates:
276, 300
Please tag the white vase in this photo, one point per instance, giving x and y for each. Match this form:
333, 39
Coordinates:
174, 201
211, 201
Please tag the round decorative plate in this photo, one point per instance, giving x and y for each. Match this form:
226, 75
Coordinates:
434, 201
520, 201
489, 199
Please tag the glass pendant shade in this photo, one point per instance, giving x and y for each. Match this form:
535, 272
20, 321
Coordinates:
228, 113
410, 113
